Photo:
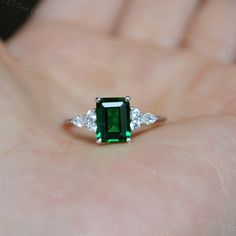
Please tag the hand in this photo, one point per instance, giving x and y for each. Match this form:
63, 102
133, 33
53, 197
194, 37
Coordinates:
174, 58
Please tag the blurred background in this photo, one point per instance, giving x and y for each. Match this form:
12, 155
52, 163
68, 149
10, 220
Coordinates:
13, 13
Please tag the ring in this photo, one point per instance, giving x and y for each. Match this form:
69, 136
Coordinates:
113, 120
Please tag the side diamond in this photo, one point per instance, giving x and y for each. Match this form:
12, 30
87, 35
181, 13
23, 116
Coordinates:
90, 120
135, 116
148, 119
78, 121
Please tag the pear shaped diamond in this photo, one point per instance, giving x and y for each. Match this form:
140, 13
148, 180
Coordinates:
78, 121
148, 119
135, 116
90, 120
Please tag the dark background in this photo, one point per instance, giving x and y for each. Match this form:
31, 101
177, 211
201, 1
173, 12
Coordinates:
13, 13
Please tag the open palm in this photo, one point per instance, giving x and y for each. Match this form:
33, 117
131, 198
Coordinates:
173, 58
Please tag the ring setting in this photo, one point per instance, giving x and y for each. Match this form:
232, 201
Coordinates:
113, 120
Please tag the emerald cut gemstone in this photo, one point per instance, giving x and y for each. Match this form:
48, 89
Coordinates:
113, 120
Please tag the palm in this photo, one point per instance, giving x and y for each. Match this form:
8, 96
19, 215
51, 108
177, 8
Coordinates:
169, 181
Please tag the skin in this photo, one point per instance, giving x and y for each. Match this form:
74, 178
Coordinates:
177, 179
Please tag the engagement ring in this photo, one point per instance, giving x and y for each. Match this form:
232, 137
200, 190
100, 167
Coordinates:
113, 120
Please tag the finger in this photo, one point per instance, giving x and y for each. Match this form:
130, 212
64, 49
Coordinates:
178, 86
157, 22
94, 14
15, 105
214, 30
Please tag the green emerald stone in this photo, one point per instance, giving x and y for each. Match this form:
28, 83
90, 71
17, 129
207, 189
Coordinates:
113, 120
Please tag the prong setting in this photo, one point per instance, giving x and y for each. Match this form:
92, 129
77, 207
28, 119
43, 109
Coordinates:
127, 98
99, 141
128, 140
98, 99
